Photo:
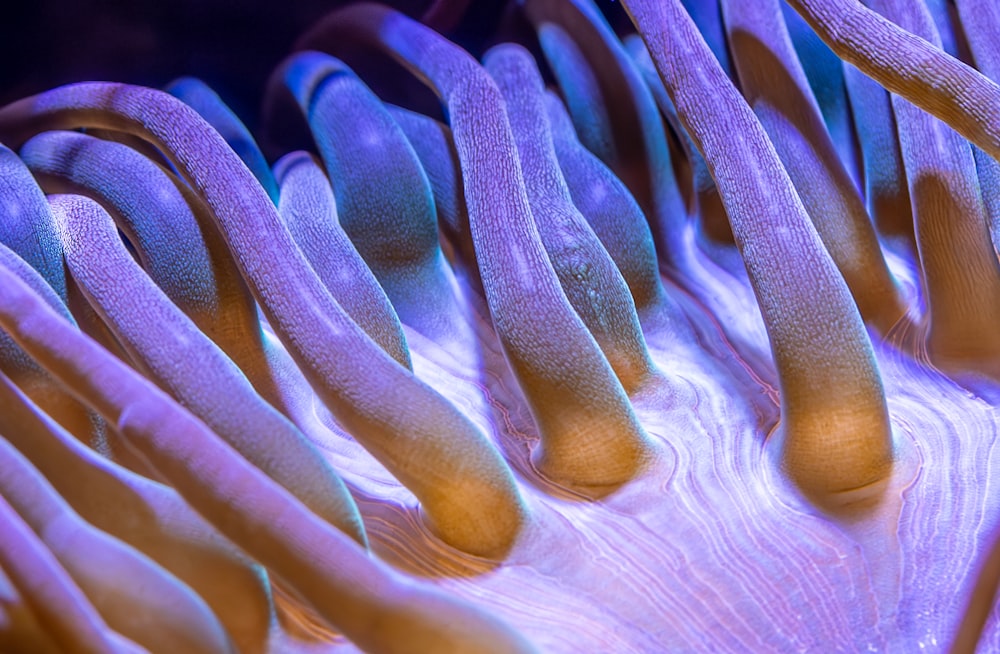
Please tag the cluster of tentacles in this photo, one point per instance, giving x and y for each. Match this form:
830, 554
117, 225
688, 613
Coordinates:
696, 349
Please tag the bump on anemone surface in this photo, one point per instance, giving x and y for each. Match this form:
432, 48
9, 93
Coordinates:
671, 329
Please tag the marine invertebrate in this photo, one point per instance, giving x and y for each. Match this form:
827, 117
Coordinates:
512, 355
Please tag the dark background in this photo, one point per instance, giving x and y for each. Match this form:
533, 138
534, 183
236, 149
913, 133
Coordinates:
232, 45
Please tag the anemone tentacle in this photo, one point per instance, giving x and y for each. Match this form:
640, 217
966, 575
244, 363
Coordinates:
667, 329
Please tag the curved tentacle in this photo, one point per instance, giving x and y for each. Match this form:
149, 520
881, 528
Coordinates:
464, 486
147, 515
836, 441
677, 240
200, 97
134, 595
170, 350
589, 278
910, 66
591, 438
165, 223
31, 248
157, 220
980, 22
373, 606
307, 206
58, 604
27, 227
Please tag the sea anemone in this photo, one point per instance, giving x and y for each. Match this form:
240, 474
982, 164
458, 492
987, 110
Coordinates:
677, 335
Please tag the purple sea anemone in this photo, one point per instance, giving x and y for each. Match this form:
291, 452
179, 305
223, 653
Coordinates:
674, 332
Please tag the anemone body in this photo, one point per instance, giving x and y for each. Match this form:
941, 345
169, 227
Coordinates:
660, 358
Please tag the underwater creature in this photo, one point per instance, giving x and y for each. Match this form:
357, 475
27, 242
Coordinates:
676, 339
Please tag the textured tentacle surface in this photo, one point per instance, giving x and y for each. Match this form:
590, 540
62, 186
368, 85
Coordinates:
590, 360
200, 97
609, 208
308, 209
133, 595
591, 438
632, 127
421, 437
157, 220
326, 568
384, 200
146, 515
951, 226
775, 86
586, 272
850, 409
886, 193
909, 65
160, 339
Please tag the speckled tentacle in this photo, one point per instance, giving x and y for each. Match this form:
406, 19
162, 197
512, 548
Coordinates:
135, 596
307, 206
609, 208
591, 281
168, 348
775, 85
13, 360
960, 267
677, 240
28, 243
200, 97
591, 439
910, 66
581, 91
371, 604
167, 222
384, 200
835, 432
145, 514
27, 226
156, 218
465, 487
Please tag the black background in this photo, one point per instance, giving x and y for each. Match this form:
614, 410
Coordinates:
232, 45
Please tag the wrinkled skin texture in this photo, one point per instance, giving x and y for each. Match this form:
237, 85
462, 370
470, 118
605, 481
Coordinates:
602, 430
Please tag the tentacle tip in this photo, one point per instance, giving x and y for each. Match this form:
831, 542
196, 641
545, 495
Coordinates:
848, 501
490, 535
596, 480
842, 474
